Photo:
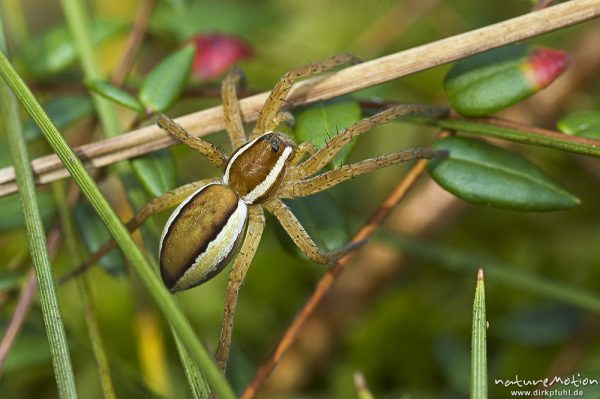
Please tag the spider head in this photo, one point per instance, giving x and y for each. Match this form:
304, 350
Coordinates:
257, 168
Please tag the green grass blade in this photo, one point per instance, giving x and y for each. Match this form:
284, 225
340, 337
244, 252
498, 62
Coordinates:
84, 291
196, 381
478, 344
147, 275
63, 370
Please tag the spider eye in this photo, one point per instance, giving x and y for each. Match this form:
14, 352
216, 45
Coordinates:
275, 144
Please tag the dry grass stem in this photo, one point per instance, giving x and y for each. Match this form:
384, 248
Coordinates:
134, 41
348, 80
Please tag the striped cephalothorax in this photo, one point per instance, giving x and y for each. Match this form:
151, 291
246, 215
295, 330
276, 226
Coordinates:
216, 219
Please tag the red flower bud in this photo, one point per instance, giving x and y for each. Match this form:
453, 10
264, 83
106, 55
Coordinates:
544, 65
216, 53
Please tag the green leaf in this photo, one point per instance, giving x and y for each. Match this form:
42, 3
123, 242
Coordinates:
156, 172
64, 111
115, 94
478, 343
491, 81
54, 51
179, 20
11, 215
585, 124
324, 120
94, 234
482, 173
323, 220
164, 84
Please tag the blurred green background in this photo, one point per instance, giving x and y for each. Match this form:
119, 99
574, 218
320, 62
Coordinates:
401, 312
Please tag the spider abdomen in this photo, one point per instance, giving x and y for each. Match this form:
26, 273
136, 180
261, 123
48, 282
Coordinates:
201, 236
255, 171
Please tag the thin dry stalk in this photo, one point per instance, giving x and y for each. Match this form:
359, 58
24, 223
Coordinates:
25, 299
18, 318
348, 80
134, 41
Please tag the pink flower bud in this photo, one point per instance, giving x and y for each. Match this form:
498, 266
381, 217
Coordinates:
216, 53
544, 65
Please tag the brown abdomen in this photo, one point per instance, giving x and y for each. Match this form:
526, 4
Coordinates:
201, 236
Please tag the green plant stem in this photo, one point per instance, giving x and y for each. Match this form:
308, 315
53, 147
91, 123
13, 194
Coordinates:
59, 350
13, 9
149, 278
501, 128
513, 131
84, 290
478, 343
78, 24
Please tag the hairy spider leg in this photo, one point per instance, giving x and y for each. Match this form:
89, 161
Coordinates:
231, 109
209, 150
326, 153
281, 117
301, 237
304, 148
267, 118
256, 224
315, 184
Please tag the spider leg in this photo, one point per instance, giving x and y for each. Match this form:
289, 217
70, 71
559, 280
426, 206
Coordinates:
303, 148
301, 238
280, 117
281, 89
210, 151
231, 109
168, 200
256, 224
326, 153
331, 178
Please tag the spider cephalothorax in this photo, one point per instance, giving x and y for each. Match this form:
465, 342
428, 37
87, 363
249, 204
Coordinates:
257, 168
215, 220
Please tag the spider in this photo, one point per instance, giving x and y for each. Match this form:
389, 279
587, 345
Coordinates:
216, 219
